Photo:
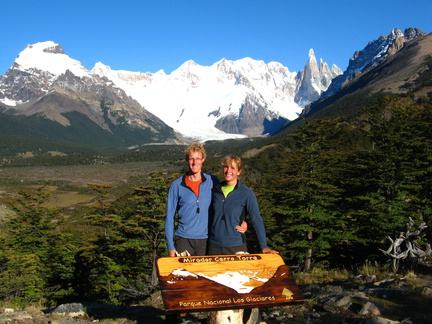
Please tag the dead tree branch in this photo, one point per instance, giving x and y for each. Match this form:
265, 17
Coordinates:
407, 245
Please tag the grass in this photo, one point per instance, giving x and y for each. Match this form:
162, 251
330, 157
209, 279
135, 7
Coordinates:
320, 275
65, 199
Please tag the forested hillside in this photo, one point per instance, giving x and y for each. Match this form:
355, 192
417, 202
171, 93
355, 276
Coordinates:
336, 188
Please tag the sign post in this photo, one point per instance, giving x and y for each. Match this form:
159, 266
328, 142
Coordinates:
221, 282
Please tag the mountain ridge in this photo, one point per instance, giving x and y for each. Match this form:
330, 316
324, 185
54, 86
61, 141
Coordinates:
229, 99
396, 74
373, 53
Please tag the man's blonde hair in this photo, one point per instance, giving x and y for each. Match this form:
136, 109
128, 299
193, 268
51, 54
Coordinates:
230, 159
195, 147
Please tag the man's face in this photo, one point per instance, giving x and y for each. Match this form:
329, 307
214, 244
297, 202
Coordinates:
195, 162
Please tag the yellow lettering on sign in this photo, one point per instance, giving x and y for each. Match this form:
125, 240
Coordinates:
247, 257
190, 304
228, 301
260, 298
195, 260
223, 259
218, 302
243, 257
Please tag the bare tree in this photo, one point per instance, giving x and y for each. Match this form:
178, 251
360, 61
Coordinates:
407, 246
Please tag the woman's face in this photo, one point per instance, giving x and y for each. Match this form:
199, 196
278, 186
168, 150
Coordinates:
231, 173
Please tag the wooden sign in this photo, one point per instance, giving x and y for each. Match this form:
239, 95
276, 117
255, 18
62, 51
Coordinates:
220, 282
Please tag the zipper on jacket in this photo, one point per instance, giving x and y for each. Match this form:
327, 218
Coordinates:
223, 208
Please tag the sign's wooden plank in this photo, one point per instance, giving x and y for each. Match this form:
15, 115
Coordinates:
220, 263
226, 282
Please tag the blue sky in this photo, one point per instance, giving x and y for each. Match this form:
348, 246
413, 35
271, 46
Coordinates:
147, 36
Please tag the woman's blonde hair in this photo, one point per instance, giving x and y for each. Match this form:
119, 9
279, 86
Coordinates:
230, 159
195, 147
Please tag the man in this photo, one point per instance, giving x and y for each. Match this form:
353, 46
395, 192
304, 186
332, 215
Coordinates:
189, 197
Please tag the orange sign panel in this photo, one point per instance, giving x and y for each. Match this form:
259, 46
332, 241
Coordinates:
219, 282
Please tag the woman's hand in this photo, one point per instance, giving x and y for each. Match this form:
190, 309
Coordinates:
270, 251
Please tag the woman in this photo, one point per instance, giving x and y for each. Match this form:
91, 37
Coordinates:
231, 202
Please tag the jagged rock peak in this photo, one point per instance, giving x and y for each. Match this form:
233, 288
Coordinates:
312, 54
396, 33
411, 33
312, 62
56, 49
314, 79
323, 67
375, 52
47, 47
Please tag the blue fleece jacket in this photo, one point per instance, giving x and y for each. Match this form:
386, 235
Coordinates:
227, 213
192, 211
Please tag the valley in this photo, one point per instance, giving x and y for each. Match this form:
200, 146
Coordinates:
70, 183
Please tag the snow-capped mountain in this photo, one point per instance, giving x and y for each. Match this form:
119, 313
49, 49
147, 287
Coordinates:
227, 99
374, 53
44, 81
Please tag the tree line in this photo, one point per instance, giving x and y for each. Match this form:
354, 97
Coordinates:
338, 187
329, 193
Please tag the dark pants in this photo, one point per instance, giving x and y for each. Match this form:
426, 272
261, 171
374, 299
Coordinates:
193, 246
221, 250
